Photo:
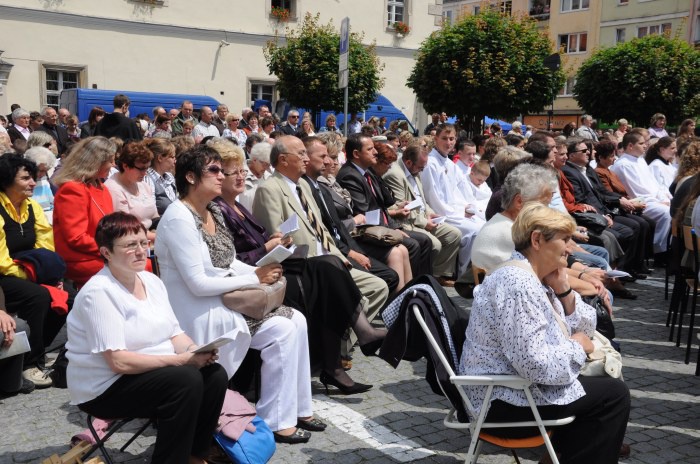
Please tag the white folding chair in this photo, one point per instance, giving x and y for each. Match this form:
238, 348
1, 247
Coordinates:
477, 421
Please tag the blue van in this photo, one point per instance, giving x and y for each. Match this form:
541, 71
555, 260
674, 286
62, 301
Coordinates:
81, 101
381, 106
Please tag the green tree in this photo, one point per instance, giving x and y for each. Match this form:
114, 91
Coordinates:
306, 66
636, 79
485, 64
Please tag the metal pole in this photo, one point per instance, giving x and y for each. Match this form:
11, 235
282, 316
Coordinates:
345, 110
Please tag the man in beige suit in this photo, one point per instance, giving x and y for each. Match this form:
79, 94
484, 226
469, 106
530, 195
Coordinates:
280, 196
404, 180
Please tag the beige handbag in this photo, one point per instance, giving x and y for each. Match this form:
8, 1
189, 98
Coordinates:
258, 300
378, 235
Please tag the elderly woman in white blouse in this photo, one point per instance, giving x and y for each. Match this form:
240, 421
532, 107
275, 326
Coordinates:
130, 358
527, 321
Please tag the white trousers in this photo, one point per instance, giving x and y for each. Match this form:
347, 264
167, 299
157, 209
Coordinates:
468, 227
660, 214
285, 392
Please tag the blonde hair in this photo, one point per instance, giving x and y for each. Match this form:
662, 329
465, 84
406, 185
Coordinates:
85, 160
333, 142
537, 217
228, 150
482, 167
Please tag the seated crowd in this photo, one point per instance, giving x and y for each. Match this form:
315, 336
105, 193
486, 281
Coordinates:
208, 198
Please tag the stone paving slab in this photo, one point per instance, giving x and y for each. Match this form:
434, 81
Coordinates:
400, 420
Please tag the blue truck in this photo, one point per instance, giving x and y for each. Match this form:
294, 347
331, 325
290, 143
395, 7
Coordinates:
81, 101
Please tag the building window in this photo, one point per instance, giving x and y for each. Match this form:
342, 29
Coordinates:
263, 91
623, 2
289, 5
447, 17
506, 6
573, 5
56, 78
619, 35
396, 11
477, 10
573, 43
664, 29
568, 89
539, 8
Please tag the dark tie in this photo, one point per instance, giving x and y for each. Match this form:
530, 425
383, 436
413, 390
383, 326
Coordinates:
374, 192
320, 236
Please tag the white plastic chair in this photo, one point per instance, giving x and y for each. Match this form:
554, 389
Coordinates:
477, 421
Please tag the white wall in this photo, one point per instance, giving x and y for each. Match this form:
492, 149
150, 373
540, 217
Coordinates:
129, 45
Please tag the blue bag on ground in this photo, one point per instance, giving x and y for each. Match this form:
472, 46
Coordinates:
250, 448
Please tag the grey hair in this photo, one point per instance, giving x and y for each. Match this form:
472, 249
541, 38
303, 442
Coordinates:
45, 109
528, 180
18, 113
39, 139
278, 148
261, 152
41, 155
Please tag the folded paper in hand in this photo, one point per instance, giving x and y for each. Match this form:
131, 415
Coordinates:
19, 345
415, 204
613, 274
439, 220
276, 255
289, 226
218, 342
372, 217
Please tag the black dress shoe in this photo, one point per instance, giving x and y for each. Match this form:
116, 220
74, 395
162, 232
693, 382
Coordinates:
464, 290
299, 436
344, 389
638, 275
312, 425
624, 294
370, 349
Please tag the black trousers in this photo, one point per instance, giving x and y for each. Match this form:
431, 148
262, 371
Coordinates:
11, 368
597, 433
32, 303
185, 401
420, 252
637, 246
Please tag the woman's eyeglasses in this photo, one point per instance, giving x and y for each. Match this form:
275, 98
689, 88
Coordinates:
132, 247
239, 173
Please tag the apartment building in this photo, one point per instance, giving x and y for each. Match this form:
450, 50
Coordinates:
209, 48
577, 27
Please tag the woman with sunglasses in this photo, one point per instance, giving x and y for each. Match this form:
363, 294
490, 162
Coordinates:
198, 264
130, 194
233, 130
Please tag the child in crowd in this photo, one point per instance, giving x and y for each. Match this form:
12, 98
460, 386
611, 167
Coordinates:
481, 191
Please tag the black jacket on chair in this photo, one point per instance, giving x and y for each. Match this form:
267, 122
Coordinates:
405, 338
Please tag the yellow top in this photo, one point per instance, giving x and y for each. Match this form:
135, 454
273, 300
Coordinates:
42, 228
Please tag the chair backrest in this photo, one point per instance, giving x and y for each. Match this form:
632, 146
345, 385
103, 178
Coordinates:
434, 346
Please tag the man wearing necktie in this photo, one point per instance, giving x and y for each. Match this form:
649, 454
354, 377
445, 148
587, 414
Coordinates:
278, 198
319, 163
369, 193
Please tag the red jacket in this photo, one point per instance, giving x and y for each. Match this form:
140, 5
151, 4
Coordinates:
78, 207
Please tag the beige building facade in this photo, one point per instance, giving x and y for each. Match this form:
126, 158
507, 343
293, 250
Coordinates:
212, 48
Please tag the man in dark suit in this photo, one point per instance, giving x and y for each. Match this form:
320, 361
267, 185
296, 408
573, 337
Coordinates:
319, 163
369, 193
51, 127
291, 126
630, 232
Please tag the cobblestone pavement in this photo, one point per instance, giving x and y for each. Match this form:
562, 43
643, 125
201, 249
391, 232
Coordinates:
400, 420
